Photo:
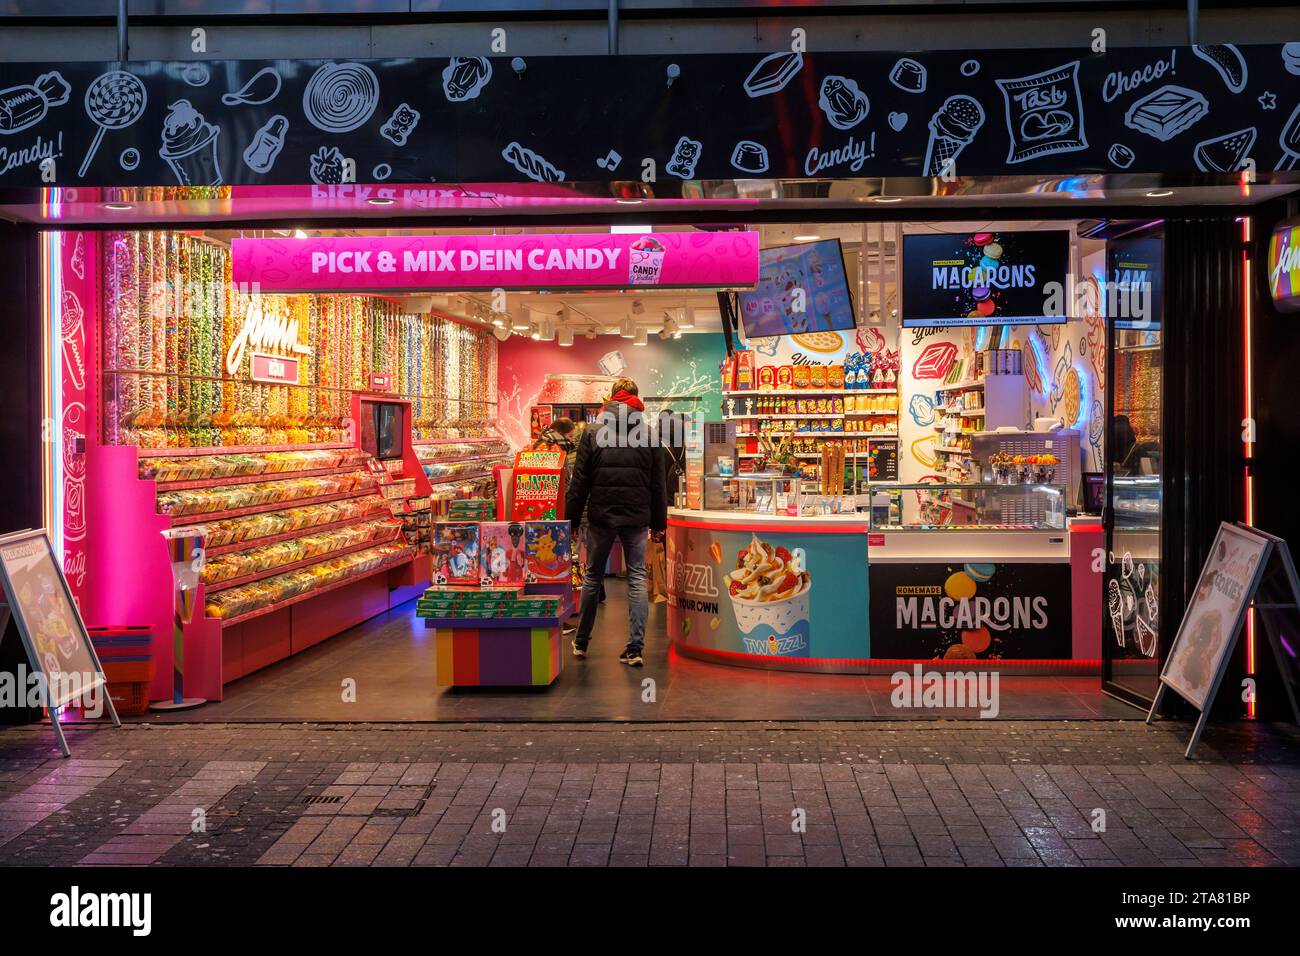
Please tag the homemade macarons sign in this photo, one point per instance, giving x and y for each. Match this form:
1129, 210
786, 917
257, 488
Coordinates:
985, 278
1284, 266
516, 262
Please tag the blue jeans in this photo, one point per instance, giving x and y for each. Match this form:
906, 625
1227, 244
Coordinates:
599, 543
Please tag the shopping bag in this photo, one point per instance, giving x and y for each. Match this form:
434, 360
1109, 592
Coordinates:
658, 561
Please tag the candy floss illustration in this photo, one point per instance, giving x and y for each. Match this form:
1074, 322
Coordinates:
645, 260
769, 593
951, 130
190, 146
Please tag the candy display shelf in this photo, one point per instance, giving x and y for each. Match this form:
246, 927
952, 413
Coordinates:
395, 560
804, 392
215, 587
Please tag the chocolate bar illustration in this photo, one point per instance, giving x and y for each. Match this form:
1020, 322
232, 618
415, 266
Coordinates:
1166, 112
772, 73
24, 106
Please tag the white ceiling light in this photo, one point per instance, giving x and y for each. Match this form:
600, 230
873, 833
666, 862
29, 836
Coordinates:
642, 336
687, 319
887, 199
811, 237
624, 229
300, 234
519, 321
564, 336
1160, 193
547, 328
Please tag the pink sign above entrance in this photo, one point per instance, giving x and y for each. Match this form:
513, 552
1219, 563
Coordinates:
455, 263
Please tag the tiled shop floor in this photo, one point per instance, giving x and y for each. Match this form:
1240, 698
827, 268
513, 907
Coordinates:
391, 663
933, 793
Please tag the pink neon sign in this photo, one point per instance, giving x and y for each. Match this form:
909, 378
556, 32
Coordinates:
581, 260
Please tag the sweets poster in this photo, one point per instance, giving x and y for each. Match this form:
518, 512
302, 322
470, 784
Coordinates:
770, 594
957, 611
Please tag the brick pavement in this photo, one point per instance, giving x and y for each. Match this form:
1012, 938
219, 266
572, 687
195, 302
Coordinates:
934, 793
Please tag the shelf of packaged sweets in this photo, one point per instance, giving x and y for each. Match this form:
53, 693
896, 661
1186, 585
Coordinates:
185, 520
237, 450
196, 484
399, 556
247, 543
882, 411
226, 468
961, 386
952, 450
796, 417
968, 412
218, 586
798, 392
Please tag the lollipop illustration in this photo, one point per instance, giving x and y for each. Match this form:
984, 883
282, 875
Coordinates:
114, 100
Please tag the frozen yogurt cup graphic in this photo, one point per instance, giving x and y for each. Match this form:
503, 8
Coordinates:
190, 146
646, 258
769, 593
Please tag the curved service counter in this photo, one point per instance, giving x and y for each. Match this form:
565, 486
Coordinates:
971, 575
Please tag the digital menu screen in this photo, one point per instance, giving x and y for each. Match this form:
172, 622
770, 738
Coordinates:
985, 278
1133, 268
801, 288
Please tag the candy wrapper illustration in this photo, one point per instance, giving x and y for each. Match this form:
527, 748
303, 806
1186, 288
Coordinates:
685, 155
189, 144
951, 130
24, 106
72, 329
1044, 113
769, 594
645, 261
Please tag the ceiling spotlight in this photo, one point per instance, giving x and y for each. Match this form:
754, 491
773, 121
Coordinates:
381, 201
1159, 193
547, 329
564, 336
519, 321
118, 206
807, 238
887, 199
628, 331
300, 234
687, 318
642, 336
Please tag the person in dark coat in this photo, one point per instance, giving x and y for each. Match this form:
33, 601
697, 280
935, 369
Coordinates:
618, 478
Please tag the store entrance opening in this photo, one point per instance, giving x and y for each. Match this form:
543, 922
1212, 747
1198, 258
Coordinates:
889, 505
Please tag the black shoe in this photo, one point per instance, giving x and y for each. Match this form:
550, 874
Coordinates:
579, 650
631, 656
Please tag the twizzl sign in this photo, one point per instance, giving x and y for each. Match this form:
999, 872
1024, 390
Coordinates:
590, 261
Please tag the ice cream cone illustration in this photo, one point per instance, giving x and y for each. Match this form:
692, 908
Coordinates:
951, 130
769, 594
646, 259
190, 146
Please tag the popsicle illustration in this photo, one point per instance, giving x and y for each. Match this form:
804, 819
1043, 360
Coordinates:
1289, 140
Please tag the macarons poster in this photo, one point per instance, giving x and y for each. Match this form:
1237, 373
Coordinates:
984, 278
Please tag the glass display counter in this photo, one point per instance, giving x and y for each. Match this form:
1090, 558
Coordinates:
970, 506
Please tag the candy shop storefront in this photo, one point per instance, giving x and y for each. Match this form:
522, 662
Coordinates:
311, 428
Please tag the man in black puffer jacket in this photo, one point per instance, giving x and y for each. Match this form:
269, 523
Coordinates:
618, 478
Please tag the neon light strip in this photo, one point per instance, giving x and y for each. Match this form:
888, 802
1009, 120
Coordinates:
52, 390
1248, 406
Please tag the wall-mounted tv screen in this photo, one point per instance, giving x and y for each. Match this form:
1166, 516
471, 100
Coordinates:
801, 288
1133, 274
985, 278
382, 429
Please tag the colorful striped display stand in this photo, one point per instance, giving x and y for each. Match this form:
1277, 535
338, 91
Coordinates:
500, 652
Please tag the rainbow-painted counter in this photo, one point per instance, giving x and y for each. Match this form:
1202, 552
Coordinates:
501, 652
